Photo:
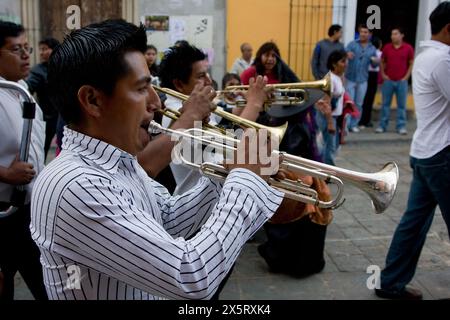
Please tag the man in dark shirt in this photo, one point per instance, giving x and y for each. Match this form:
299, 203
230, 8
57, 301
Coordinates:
37, 83
323, 50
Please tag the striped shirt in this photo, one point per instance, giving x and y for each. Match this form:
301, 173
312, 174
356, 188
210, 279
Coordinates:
107, 231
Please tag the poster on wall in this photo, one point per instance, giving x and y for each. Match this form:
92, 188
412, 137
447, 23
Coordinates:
156, 23
164, 31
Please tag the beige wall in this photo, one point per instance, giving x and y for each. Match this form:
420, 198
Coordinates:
258, 21
255, 22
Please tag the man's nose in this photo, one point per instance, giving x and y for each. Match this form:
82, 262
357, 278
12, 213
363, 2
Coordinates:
154, 102
208, 80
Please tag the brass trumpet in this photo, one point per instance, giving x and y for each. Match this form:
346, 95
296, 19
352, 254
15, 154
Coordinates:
174, 115
380, 186
283, 93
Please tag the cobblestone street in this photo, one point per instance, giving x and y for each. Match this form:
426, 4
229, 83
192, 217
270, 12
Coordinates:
356, 239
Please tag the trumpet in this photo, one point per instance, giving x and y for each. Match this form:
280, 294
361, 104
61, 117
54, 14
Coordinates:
283, 93
174, 115
380, 186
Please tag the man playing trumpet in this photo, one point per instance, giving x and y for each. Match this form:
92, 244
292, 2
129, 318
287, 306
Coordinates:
182, 68
95, 210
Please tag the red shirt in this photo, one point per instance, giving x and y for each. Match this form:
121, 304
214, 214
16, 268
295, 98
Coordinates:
396, 60
251, 73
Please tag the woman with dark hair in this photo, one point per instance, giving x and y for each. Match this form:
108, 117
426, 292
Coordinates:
265, 64
150, 56
296, 247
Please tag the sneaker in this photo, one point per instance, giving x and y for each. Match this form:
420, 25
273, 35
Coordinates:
362, 127
355, 130
380, 130
403, 132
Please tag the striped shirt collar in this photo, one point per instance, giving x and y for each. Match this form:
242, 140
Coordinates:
103, 154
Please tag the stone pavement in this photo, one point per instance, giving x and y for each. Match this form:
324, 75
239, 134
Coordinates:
356, 239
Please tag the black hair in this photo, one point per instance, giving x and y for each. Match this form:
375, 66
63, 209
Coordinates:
265, 48
180, 43
229, 76
50, 42
9, 29
177, 64
282, 71
363, 26
333, 29
151, 47
93, 55
376, 42
440, 17
400, 29
335, 57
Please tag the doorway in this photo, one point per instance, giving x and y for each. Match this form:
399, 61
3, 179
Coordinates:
403, 14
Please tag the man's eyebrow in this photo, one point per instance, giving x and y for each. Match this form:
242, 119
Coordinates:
144, 80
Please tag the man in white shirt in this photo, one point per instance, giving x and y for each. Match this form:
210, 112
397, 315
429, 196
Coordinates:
105, 229
18, 252
430, 160
245, 61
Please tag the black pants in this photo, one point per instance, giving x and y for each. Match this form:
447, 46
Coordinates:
18, 252
372, 87
295, 248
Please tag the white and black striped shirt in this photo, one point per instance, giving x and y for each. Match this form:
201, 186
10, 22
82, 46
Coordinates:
95, 209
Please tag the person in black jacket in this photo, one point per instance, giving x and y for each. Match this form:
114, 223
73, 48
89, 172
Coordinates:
37, 83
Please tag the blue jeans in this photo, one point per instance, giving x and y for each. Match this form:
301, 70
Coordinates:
357, 92
430, 187
400, 89
330, 141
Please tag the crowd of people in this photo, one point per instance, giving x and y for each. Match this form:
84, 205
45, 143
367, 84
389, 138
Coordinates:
139, 226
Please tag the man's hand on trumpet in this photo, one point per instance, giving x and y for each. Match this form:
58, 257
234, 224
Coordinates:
254, 153
198, 106
256, 95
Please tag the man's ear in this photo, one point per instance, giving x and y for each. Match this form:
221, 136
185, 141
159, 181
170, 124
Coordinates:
90, 100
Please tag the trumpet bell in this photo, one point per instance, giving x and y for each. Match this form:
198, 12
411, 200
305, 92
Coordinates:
288, 98
381, 188
311, 96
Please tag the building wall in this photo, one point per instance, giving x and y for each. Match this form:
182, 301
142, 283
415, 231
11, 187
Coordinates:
214, 8
295, 25
255, 22
344, 14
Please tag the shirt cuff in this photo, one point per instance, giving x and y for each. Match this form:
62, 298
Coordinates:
267, 198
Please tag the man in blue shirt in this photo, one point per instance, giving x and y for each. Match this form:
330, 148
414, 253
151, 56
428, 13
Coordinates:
361, 53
